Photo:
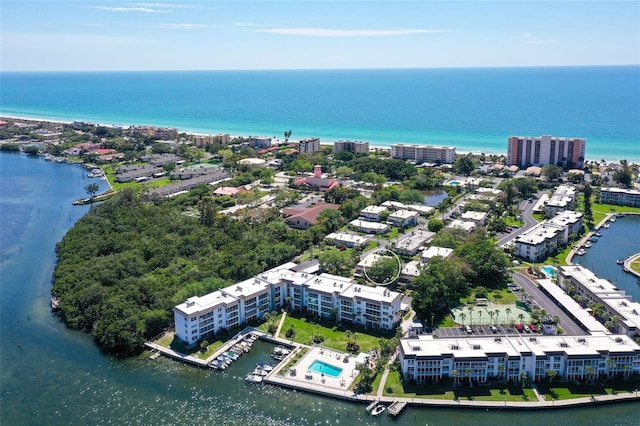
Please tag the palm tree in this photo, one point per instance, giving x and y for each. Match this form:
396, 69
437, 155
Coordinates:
455, 374
521, 317
523, 377
500, 371
508, 311
480, 320
470, 308
468, 372
348, 334
552, 374
497, 311
590, 371
491, 315
463, 316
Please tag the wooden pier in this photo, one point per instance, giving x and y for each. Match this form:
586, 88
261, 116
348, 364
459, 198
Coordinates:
396, 408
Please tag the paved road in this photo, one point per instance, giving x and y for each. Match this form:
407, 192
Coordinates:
526, 209
541, 299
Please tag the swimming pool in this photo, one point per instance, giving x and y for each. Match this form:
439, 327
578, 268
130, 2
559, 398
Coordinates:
324, 368
551, 271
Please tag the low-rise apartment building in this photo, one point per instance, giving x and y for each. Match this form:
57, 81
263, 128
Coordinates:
357, 147
624, 313
548, 236
620, 196
322, 295
479, 360
424, 153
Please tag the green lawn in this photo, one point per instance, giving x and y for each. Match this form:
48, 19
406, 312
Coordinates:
557, 390
334, 337
169, 340
502, 296
445, 390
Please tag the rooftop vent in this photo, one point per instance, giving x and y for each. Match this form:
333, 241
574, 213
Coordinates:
619, 339
497, 339
455, 347
533, 339
476, 347
416, 348
582, 340
564, 345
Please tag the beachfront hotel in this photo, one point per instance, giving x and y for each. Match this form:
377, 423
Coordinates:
428, 359
322, 296
357, 147
525, 151
424, 153
620, 196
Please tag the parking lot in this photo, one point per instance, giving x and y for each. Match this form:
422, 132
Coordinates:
481, 330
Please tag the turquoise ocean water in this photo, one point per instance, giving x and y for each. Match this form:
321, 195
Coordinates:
50, 375
472, 109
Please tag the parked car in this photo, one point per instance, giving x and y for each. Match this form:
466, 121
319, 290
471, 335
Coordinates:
533, 328
526, 328
519, 327
493, 329
468, 329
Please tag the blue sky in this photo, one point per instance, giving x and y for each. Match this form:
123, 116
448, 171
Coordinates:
118, 35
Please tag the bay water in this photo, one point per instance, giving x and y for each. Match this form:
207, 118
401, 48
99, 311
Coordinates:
50, 375
473, 109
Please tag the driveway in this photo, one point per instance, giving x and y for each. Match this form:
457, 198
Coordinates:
541, 299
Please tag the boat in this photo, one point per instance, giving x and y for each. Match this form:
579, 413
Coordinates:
593, 239
55, 303
612, 219
598, 234
587, 244
580, 252
378, 409
252, 378
371, 406
606, 226
620, 261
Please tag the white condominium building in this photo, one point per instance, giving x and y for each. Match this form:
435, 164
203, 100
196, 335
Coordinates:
425, 359
620, 196
547, 236
624, 313
323, 296
424, 153
525, 151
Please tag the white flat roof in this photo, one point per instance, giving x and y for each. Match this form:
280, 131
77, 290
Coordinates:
474, 215
347, 237
403, 214
197, 304
462, 224
482, 347
434, 251
375, 294
581, 314
363, 224
373, 210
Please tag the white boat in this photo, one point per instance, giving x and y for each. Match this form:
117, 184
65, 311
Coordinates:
606, 225
252, 378
371, 406
580, 252
587, 244
378, 409
612, 219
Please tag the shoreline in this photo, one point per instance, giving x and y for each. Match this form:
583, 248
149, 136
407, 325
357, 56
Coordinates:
372, 145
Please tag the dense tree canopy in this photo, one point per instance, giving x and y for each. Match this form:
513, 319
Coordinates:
126, 263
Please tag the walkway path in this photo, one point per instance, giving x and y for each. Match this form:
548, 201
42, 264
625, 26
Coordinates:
406, 324
284, 315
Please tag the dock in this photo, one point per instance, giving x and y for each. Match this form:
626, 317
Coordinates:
396, 408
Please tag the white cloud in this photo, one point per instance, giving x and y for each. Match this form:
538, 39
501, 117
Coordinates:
168, 5
530, 39
328, 32
246, 24
130, 9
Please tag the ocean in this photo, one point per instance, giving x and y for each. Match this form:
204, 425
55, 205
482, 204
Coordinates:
473, 109
50, 375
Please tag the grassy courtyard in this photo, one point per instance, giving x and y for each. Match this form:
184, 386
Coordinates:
334, 336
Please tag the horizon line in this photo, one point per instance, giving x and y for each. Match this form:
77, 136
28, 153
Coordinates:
324, 69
